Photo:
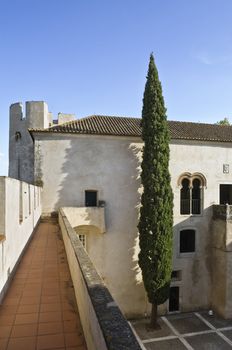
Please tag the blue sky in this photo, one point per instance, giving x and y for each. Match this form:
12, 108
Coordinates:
91, 57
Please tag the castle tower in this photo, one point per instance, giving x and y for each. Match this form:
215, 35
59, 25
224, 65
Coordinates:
21, 148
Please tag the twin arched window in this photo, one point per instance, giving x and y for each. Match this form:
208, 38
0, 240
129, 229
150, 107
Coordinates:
191, 195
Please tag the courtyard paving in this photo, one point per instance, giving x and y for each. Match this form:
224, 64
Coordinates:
39, 311
192, 331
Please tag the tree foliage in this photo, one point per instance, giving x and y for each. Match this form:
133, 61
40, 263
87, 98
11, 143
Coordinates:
224, 121
156, 217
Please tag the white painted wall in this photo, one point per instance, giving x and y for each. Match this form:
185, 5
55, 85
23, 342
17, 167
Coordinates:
15, 232
71, 164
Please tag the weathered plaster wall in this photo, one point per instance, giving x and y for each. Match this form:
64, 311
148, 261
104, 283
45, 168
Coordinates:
208, 159
20, 203
71, 164
21, 149
222, 265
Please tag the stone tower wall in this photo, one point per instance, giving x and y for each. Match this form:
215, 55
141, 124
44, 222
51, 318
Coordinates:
21, 147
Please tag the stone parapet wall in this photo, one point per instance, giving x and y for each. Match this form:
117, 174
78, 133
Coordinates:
20, 210
103, 323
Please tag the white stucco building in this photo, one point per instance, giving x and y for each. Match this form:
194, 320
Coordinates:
92, 166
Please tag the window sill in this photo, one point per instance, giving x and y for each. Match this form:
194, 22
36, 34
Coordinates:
191, 215
186, 255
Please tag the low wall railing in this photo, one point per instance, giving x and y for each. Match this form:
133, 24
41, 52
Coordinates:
103, 323
20, 211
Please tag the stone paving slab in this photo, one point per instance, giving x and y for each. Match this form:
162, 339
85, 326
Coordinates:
191, 331
216, 321
187, 323
210, 341
141, 329
171, 344
228, 334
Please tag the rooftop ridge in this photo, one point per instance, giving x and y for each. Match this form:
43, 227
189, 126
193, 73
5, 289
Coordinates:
131, 126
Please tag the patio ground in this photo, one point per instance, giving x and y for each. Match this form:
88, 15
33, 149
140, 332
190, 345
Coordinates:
39, 311
197, 331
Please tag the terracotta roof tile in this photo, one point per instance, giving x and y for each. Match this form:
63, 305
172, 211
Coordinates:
124, 126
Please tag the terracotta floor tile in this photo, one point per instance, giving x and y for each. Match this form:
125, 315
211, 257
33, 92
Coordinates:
8, 310
52, 316
68, 306
51, 291
50, 328
26, 318
24, 330
5, 331
50, 341
40, 306
28, 309
35, 280
25, 343
11, 301
78, 347
17, 283
6, 320
31, 293
68, 315
74, 339
48, 299
14, 294
30, 300
71, 326
3, 343
50, 307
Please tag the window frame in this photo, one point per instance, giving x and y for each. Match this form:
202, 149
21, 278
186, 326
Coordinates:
191, 177
187, 254
93, 191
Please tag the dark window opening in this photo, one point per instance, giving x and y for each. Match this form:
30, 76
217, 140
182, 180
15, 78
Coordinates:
187, 241
196, 197
185, 197
174, 299
190, 197
18, 135
176, 275
226, 194
90, 198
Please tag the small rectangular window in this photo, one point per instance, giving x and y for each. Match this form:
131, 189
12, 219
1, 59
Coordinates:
82, 238
226, 194
176, 275
187, 241
90, 198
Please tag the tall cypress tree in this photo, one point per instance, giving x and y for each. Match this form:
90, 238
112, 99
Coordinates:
156, 212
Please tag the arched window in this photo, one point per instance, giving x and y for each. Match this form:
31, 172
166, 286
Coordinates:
191, 193
196, 196
185, 197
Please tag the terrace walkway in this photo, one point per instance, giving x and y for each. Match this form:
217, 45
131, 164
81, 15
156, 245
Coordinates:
39, 311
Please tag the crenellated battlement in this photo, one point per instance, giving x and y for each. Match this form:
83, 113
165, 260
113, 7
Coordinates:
21, 147
36, 115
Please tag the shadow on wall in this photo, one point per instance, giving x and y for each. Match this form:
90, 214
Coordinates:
111, 167
193, 256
